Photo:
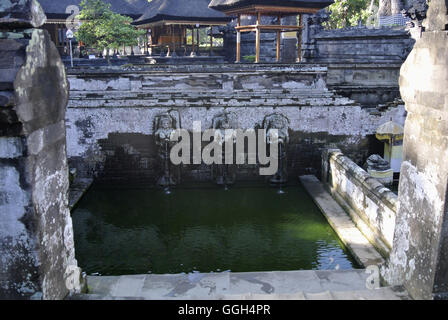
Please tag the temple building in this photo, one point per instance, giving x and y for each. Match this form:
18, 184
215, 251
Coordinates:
273, 8
170, 22
58, 12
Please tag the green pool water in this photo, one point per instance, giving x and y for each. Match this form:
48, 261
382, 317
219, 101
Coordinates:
204, 229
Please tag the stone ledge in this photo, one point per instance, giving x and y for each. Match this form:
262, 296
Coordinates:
271, 285
199, 68
371, 185
364, 252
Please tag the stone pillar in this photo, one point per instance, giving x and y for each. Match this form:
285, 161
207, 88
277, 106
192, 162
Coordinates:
36, 240
289, 42
419, 258
312, 25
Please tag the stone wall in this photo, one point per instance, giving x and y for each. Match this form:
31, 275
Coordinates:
371, 206
111, 111
36, 241
357, 45
364, 64
369, 84
419, 259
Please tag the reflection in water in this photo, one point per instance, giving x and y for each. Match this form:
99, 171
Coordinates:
203, 229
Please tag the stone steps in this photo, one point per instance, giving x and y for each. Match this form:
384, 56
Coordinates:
192, 93
283, 285
386, 293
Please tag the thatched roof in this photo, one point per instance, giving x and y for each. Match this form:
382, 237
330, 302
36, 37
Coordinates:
55, 9
183, 10
224, 5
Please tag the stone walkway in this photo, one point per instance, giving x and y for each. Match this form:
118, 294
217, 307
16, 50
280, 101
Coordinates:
362, 250
282, 285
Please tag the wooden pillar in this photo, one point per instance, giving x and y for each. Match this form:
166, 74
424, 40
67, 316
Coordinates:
192, 43
257, 40
211, 40
147, 42
56, 35
173, 41
198, 41
150, 41
299, 39
184, 39
278, 39
238, 40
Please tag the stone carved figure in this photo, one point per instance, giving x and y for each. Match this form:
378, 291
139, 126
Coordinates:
165, 125
224, 121
277, 126
225, 174
281, 124
416, 11
376, 162
379, 169
319, 18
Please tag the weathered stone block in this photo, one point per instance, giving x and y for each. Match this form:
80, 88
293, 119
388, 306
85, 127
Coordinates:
419, 258
36, 241
21, 13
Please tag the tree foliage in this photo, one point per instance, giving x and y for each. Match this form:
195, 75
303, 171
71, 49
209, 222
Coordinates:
346, 13
101, 28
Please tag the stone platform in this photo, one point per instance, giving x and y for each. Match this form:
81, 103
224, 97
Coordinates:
281, 285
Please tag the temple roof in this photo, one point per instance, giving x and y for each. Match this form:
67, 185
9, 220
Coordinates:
226, 5
55, 9
180, 10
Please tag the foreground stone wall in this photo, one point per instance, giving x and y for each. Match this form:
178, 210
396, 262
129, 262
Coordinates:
371, 206
419, 259
110, 115
36, 241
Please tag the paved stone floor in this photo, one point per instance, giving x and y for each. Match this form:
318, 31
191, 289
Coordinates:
283, 285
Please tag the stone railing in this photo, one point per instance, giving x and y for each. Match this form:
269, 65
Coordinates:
370, 204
